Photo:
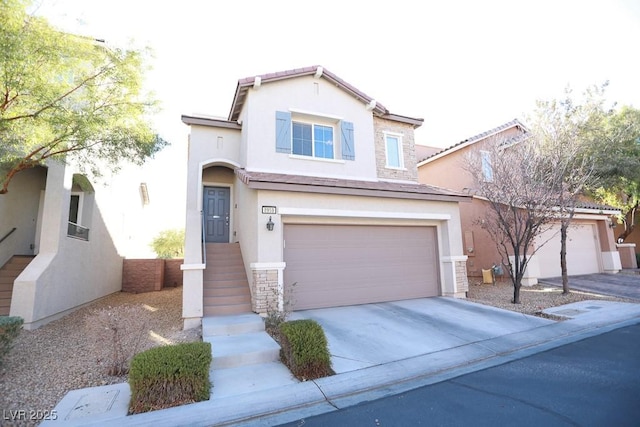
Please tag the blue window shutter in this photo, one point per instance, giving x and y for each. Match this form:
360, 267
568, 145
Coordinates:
348, 147
283, 132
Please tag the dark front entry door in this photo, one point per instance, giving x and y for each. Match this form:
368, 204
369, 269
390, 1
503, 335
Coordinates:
216, 201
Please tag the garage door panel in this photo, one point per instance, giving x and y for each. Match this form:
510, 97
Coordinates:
343, 265
583, 251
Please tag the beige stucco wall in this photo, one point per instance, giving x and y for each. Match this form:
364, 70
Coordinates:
448, 171
67, 273
315, 97
634, 237
19, 209
410, 170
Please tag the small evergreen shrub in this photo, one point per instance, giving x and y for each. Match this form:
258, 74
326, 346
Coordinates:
168, 376
10, 327
304, 349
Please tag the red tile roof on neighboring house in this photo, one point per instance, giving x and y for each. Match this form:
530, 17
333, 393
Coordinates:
479, 137
303, 183
245, 83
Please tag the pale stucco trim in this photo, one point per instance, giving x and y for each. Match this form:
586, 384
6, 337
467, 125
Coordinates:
193, 267
363, 214
267, 265
454, 258
611, 262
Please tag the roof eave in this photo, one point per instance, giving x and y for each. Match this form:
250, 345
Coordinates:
209, 122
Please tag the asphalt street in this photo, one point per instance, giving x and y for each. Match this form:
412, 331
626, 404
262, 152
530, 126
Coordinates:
594, 382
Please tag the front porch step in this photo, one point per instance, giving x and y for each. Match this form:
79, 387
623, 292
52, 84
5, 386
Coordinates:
226, 300
226, 310
232, 325
226, 291
251, 378
225, 284
8, 274
231, 351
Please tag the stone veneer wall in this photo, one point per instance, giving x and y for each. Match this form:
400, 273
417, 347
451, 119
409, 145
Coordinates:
410, 172
265, 292
462, 282
147, 275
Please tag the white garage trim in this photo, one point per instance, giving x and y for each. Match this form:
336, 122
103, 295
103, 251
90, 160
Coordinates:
362, 214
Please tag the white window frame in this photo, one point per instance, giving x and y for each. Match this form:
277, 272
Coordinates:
399, 138
313, 123
487, 166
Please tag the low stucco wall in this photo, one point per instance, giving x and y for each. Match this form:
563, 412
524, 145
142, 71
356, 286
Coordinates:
627, 253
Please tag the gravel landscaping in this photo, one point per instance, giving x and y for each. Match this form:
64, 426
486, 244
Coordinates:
533, 299
65, 355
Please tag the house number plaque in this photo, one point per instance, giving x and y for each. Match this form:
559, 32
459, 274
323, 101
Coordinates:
270, 210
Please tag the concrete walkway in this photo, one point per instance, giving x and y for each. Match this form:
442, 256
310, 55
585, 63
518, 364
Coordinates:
457, 337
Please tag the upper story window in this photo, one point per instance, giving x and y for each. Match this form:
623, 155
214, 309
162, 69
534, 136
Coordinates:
393, 145
324, 138
487, 168
75, 208
310, 139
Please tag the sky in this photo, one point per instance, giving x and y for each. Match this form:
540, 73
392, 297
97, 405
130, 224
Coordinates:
464, 66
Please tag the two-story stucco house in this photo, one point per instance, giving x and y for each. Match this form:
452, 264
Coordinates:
590, 247
309, 189
57, 250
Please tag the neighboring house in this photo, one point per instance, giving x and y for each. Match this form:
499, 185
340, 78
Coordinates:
56, 251
314, 185
590, 247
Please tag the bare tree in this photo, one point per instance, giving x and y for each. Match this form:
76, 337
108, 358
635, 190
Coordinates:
507, 176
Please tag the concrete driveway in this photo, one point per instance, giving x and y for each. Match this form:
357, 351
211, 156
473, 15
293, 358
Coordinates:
617, 285
362, 336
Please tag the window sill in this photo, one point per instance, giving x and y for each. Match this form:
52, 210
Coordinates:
395, 168
316, 159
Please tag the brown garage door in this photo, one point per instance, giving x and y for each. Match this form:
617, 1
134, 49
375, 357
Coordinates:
334, 265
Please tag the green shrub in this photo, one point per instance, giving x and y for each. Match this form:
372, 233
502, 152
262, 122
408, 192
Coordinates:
305, 350
168, 376
638, 260
10, 327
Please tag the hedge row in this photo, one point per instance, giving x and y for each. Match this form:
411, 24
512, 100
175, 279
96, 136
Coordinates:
168, 376
304, 349
10, 327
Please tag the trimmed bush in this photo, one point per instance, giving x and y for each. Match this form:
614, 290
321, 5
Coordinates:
305, 350
168, 376
10, 327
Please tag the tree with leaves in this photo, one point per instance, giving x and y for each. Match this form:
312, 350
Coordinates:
507, 177
617, 166
169, 244
565, 132
64, 96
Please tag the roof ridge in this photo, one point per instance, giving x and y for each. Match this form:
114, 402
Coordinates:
480, 136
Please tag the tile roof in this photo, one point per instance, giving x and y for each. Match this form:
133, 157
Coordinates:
349, 186
245, 83
481, 136
586, 204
